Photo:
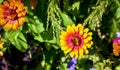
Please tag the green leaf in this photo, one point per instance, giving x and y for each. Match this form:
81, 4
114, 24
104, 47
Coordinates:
66, 19
17, 39
63, 66
46, 36
118, 13
76, 5
35, 25
1, 1
117, 67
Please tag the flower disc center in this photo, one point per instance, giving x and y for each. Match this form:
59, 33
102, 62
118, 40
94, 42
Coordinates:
76, 41
11, 13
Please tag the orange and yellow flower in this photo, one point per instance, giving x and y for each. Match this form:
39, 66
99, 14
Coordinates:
116, 46
12, 14
76, 40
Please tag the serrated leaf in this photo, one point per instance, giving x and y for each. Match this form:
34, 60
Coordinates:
17, 39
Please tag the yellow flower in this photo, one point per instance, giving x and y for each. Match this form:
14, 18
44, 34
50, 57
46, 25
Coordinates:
1, 53
12, 14
1, 45
75, 40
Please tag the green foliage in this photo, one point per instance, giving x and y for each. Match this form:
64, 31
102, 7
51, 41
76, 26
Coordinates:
17, 39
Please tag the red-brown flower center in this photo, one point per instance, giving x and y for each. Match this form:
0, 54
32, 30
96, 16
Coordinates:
10, 13
76, 41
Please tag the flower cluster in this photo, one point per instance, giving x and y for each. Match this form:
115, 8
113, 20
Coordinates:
116, 45
12, 14
72, 63
75, 40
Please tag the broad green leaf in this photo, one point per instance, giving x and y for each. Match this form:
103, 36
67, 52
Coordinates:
35, 25
66, 19
17, 39
1, 1
46, 36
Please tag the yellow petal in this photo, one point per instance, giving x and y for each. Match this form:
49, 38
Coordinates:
21, 12
84, 35
63, 33
76, 29
89, 38
72, 54
15, 26
69, 29
86, 30
76, 53
80, 32
79, 26
90, 33
62, 37
2, 21
84, 47
1, 53
73, 26
86, 51
86, 40
12, 2
88, 45
68, 50
81, 52
21, 20
8, 26
64, 48
2, 6
1, 45
6, 3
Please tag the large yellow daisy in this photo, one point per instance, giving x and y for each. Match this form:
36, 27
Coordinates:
75, 40
12, 14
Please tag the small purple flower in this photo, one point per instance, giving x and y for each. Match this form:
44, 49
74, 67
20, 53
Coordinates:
74, 60
72, 63
34, 49
118, 34
92, 69
27, 58
3, 62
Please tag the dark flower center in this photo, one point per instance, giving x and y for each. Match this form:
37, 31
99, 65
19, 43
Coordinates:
11, 13
76, 41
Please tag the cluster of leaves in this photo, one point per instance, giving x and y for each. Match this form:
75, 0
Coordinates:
42, 29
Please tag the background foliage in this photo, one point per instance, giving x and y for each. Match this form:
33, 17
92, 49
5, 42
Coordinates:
36, 45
